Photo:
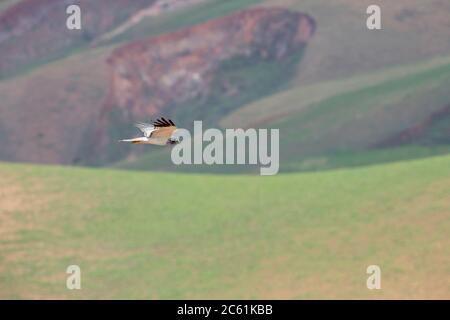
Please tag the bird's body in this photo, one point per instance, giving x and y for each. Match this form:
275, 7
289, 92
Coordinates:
145, 140
159, 133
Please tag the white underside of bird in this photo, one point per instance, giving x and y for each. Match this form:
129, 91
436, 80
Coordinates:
145, 140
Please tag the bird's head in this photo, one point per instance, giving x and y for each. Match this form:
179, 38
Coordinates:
173, 140
176, 137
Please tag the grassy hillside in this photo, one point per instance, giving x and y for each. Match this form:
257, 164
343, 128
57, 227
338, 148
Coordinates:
339, 123
171, 21
62, 97
150, 26
360, 120
374, 84
298, 98
54, 104
343, 46
156, 235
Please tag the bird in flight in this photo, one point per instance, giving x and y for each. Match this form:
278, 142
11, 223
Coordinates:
160, 132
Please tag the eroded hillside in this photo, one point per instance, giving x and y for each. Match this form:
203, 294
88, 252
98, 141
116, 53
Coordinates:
151, 75
73, 107
192, 71
34, 30
63, 99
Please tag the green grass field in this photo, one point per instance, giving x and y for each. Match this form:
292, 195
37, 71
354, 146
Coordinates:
167, 235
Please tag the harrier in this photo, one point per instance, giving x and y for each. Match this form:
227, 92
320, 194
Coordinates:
159, 133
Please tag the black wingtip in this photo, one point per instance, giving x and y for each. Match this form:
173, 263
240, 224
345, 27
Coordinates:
163, 122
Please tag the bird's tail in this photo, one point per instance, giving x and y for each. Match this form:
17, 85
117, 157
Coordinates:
135, 140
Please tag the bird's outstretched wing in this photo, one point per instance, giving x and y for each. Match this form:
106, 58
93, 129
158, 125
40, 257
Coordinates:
146, 128
163, 128
163, 123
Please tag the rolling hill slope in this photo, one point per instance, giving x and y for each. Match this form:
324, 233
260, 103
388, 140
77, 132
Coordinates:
412, 30
162, 235
343, 122
59, 99
391, 71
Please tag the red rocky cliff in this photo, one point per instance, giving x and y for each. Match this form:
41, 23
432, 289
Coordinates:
154, 74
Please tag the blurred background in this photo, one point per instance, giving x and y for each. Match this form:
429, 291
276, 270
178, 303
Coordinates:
364, 119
